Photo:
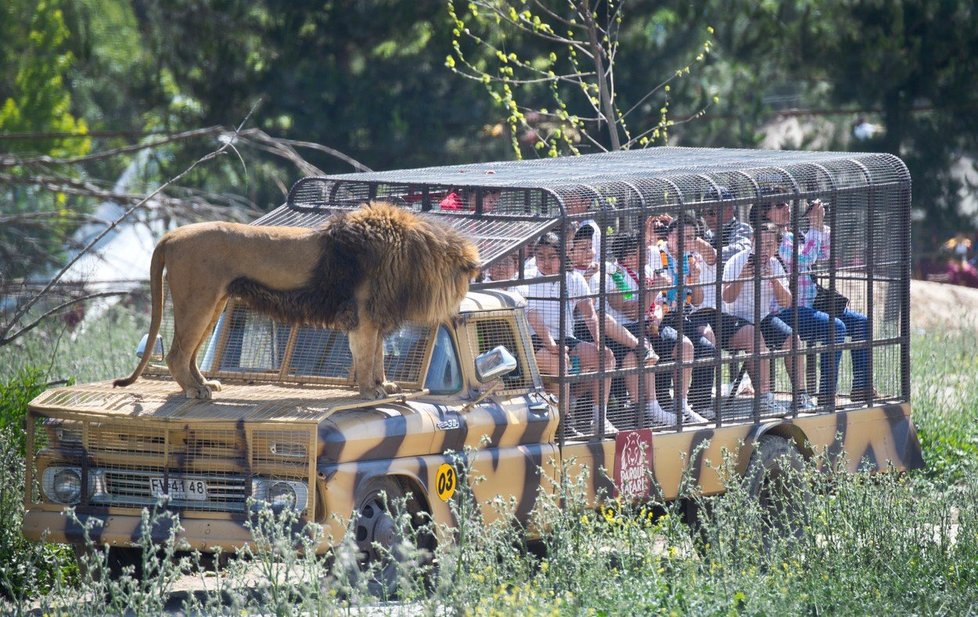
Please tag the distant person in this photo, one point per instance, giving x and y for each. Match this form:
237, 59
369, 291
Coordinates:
465, 199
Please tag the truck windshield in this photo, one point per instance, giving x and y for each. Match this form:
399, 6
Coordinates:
245, 343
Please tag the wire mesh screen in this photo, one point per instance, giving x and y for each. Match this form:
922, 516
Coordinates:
491, 332
654, 302
187, 466
247, 345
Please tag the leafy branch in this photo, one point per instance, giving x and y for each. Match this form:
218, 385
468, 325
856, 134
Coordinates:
575, 44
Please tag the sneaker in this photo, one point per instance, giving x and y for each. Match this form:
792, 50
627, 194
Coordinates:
609, 428
806, 402
772, 406
862, 394
707, 412
690, 416
655, 415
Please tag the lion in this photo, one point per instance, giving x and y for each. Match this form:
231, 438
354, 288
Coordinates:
365, 272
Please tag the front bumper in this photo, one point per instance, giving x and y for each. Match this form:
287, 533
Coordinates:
204, 534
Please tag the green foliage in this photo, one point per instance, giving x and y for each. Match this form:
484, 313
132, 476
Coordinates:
26, 568
14, 396
553, 69
944, 378
868, 545
38, 99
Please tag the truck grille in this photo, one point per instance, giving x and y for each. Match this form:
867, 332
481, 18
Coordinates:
225, 493
211, 465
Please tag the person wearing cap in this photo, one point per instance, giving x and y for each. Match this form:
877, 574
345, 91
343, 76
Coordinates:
544, 314
735, 235
760, 264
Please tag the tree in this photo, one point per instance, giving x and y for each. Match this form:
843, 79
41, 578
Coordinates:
552, 67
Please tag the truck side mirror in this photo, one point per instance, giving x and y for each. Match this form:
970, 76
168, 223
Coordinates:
494, 363
157, 348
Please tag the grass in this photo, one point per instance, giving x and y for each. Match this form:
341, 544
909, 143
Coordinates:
886, 544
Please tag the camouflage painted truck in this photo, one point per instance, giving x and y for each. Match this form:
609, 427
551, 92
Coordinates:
288, 429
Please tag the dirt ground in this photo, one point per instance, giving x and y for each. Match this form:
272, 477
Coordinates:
935, 306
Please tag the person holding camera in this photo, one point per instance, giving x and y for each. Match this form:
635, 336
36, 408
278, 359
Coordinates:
814, 325
760, 265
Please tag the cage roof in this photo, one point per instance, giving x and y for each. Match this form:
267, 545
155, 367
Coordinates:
535, 192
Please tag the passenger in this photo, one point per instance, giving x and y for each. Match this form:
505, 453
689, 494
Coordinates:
577, 204
733, 333
817, 326
544, 314
625, 323
685, 269
738, 300
465, 199
582, 255
735, 235
506, 268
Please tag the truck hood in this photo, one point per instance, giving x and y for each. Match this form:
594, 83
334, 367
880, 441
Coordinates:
161, 400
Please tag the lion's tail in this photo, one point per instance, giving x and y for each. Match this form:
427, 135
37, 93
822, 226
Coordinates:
156, 295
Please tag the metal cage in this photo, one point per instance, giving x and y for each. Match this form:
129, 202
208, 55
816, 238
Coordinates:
864, 255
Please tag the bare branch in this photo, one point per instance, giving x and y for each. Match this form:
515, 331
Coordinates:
6, 340
19, 314
10, 161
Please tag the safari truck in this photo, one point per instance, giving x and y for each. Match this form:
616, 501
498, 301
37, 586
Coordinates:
289, 430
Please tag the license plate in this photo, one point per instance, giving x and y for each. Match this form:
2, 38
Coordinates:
180, 488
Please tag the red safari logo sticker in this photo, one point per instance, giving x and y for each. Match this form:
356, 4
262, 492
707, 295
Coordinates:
633, 463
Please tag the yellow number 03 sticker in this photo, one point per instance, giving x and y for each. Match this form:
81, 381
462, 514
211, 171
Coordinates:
445, 482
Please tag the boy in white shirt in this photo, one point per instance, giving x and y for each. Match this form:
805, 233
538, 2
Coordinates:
739, 276
625, 323
544, 315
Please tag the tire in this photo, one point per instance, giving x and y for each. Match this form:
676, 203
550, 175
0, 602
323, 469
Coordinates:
775, 479
378, 538
119, 558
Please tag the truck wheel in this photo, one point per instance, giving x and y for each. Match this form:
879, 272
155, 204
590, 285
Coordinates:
119, 558
378, 538
775, 479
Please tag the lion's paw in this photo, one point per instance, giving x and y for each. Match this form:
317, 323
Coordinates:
213, 385
201, 392
381, 390
389, 387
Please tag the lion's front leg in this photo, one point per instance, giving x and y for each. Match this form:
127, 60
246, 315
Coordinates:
382, 386
367, 347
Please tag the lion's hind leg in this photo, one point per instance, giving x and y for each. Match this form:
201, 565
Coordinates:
192, 315
212, 384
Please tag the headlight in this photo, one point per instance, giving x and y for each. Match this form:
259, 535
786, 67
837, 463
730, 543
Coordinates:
67, 486
64, 484
281, 493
